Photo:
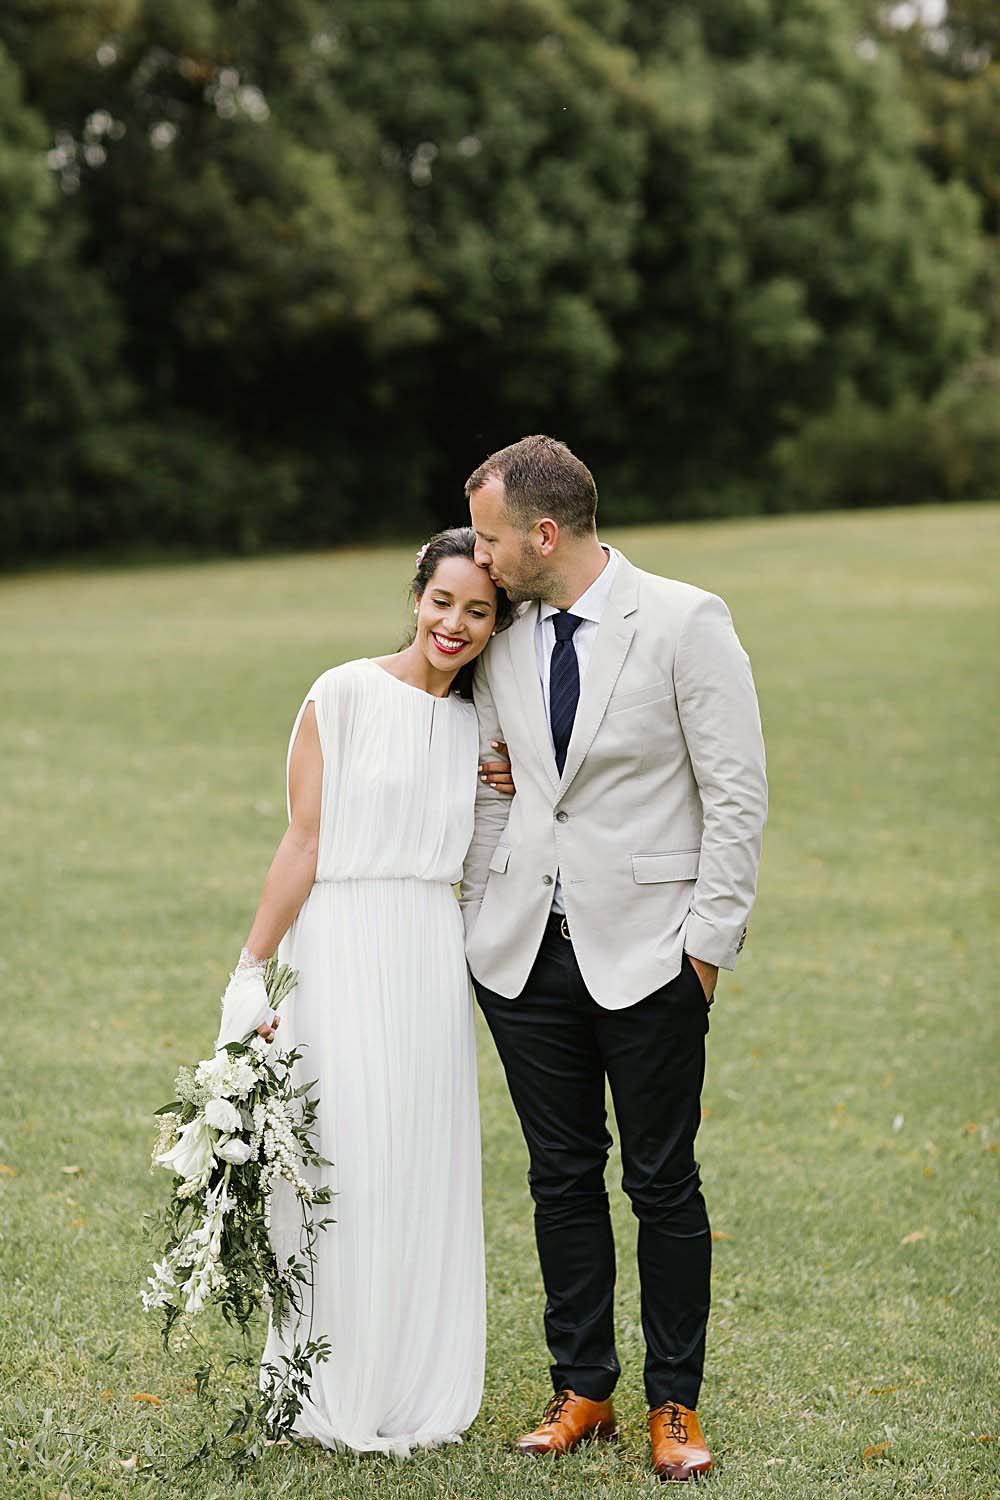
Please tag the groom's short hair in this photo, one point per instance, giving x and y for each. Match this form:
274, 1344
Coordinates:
541, 477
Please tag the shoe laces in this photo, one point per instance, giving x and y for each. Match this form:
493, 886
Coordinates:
674, 1423
554, 1410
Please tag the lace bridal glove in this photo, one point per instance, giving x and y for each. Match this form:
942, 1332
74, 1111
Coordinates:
245, 1005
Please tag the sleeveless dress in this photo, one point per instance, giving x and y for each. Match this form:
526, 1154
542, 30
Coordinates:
384, 1012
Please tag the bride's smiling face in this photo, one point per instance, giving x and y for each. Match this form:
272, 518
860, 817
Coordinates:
456, 614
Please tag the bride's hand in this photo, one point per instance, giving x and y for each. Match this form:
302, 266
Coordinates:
245, 1007
497, 773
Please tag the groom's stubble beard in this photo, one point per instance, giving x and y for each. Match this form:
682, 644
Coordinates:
533, 579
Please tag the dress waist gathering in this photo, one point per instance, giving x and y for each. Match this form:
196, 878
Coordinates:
381, 879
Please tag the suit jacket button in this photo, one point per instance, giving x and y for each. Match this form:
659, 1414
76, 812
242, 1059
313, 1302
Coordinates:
562, 817
546, 880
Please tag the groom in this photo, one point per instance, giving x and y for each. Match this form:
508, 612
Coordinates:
599, 906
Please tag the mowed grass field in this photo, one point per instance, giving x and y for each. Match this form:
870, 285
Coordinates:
852, 1110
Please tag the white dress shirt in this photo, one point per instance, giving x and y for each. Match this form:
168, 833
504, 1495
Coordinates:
589, 607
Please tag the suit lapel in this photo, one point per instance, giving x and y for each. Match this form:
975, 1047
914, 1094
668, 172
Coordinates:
614, 636
521, 644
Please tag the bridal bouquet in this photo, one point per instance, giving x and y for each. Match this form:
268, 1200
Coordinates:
237, 1126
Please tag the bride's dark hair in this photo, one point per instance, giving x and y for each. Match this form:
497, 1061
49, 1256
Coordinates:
457, 541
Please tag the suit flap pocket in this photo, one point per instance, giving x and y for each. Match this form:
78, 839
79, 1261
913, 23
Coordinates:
682, 864
499, 858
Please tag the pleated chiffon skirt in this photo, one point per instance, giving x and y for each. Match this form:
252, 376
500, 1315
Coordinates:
384, 1014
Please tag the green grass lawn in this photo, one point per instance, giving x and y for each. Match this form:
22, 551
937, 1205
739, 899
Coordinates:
850, 1144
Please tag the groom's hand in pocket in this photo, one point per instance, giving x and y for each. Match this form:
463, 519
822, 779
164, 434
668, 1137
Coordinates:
707, 973
497, 773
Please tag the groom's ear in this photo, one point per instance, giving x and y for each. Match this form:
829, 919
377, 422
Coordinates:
548, 534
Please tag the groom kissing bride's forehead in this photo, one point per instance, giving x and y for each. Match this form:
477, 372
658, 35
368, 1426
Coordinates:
599, 905
533, 508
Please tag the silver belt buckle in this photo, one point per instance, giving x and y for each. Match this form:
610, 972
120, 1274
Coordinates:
564, 929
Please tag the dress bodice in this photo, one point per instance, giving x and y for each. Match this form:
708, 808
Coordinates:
399, 776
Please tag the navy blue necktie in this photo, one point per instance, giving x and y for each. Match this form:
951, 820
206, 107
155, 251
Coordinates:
564, 683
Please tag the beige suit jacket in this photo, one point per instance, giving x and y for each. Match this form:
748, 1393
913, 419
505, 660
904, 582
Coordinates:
655, 825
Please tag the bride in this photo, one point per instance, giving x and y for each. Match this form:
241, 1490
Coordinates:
381, 779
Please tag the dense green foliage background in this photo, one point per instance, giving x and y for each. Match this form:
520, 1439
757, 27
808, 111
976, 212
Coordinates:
282, 273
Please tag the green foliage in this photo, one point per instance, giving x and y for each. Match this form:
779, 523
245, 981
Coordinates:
179, 480
780, 246
61, 382
310, 261
947, 448
951, 72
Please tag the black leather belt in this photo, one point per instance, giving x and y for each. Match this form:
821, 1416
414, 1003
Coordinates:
557, 925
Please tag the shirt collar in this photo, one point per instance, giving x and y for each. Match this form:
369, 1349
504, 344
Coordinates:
591, 603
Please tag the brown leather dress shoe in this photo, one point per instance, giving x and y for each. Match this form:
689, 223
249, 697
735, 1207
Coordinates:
679, 1448
566, 1421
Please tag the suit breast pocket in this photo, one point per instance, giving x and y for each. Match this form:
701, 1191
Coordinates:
640, 697
637, 724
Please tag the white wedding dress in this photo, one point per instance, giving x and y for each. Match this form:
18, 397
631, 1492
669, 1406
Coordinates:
384, 1012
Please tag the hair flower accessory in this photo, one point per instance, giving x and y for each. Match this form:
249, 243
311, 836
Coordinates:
422, 553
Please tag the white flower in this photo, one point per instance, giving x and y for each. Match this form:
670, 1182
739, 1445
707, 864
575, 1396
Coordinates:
226, 1077
241, 1077
211, 1073
166, 1135
191, 1157
222, 1114
234, 1151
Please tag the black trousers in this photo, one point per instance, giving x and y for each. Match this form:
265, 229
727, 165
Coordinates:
557, 1046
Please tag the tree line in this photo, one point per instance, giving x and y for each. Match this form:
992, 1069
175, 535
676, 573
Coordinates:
283, 273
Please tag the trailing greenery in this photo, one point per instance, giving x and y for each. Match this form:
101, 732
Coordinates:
282, 274
238, 1126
